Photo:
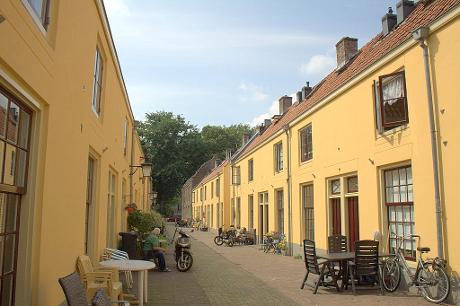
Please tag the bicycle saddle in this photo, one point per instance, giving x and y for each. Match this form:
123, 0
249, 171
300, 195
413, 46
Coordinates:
423, 249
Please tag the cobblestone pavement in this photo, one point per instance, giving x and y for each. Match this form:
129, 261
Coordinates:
247, 276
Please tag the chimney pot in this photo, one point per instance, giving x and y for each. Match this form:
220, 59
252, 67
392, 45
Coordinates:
346, 48
388, 22
306, 90
299, 96
246, 137
284, 103
403, 9
267, 122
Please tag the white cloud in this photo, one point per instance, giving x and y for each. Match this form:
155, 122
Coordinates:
116, 8
252, 92
318, 66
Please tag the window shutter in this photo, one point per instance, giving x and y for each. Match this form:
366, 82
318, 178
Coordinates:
378, 111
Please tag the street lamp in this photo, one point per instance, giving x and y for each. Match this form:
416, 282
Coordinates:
146, 169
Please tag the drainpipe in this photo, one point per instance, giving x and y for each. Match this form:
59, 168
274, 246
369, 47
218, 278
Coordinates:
421, 35
289, 181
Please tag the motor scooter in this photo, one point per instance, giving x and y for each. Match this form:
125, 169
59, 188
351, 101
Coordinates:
182, 253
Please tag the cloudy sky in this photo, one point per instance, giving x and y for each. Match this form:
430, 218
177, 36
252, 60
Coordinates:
223, 62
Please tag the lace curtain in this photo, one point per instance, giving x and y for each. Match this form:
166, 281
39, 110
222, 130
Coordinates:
393, 90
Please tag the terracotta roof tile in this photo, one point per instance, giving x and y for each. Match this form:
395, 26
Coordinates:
214, 172
425, 13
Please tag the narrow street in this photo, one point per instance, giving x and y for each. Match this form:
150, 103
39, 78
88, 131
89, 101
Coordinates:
247, 276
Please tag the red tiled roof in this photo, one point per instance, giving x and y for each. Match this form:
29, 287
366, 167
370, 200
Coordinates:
214, 172
425, 13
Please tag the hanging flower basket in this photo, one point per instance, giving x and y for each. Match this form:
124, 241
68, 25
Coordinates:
131, 208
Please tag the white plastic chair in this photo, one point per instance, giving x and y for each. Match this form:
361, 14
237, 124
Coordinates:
120, 255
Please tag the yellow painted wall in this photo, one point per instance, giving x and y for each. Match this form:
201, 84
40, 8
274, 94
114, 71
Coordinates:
51, 72
345, 142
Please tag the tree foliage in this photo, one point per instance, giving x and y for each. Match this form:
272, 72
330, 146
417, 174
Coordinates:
177, 149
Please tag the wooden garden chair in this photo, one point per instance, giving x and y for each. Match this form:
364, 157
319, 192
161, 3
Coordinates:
315, 265
96, 279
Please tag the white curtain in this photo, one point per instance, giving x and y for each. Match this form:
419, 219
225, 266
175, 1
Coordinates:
393, 90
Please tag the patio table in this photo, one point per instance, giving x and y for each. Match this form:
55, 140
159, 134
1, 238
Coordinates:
142, 266
343, 257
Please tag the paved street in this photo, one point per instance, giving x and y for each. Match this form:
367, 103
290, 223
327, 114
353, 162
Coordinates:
247, 276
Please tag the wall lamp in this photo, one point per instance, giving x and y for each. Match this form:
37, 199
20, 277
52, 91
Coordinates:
146, 169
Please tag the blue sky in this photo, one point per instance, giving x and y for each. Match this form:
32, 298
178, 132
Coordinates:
225, 62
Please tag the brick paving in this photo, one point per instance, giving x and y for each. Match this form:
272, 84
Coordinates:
244, 275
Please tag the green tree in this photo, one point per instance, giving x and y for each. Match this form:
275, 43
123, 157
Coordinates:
176, 150
218, 139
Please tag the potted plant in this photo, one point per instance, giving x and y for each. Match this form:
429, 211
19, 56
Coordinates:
131, 208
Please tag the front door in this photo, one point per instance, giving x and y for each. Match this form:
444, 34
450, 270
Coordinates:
336, 217
353, 222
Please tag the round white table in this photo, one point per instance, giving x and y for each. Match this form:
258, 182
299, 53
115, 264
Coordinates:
142, 266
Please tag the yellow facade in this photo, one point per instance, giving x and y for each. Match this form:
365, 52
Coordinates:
50, 70
211, 198
346, 144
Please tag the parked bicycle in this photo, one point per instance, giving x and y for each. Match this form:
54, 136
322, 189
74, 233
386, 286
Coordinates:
430, 275
274, 242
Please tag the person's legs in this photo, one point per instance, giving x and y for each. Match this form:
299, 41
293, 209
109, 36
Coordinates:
161, 259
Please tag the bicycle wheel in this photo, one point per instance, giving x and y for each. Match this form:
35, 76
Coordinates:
433, 282
218, 240
391, 274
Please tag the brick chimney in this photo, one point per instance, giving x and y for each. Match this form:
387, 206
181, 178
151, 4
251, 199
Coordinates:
388, 22
403, 9
306, 90
284, 103
246, 137
346, 48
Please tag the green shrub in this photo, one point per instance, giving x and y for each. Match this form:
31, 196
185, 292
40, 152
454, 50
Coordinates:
144, 222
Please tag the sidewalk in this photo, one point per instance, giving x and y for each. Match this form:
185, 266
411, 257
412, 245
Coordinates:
285, 274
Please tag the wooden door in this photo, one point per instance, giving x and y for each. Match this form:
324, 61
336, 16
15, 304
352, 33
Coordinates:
336, 217
353, 222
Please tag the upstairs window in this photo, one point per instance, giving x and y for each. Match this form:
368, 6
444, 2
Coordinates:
250, 170
278, 150
391, 101
97, 82
41, 9
306, 144
218, 187
205, 191
236, 177
212, 190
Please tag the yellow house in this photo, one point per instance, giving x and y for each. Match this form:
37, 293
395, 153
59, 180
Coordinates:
354, 154
67, 145
211, 198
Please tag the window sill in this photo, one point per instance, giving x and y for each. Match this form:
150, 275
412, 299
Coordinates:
307, 162
391, 132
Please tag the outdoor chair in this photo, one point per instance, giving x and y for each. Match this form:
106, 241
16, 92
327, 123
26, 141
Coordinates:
96, 279
119, 255
337, 244
75, 293
314, 266
366, 263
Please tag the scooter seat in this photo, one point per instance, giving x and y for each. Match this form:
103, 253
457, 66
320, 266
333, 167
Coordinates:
423, 249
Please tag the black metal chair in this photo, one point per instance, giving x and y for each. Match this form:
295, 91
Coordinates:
75, 293
366, 263
313, 265
337, 244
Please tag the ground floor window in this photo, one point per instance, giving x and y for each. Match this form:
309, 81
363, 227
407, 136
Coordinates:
251, 211
308, 212
400, 208
238, 212
280, 210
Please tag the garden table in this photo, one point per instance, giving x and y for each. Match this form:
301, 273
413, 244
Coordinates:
142, 266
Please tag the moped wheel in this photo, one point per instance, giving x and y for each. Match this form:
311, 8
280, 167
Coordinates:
184, 262
434, 283
218, 240
391, 275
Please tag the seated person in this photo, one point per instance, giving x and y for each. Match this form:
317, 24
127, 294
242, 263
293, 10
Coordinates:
153, 250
